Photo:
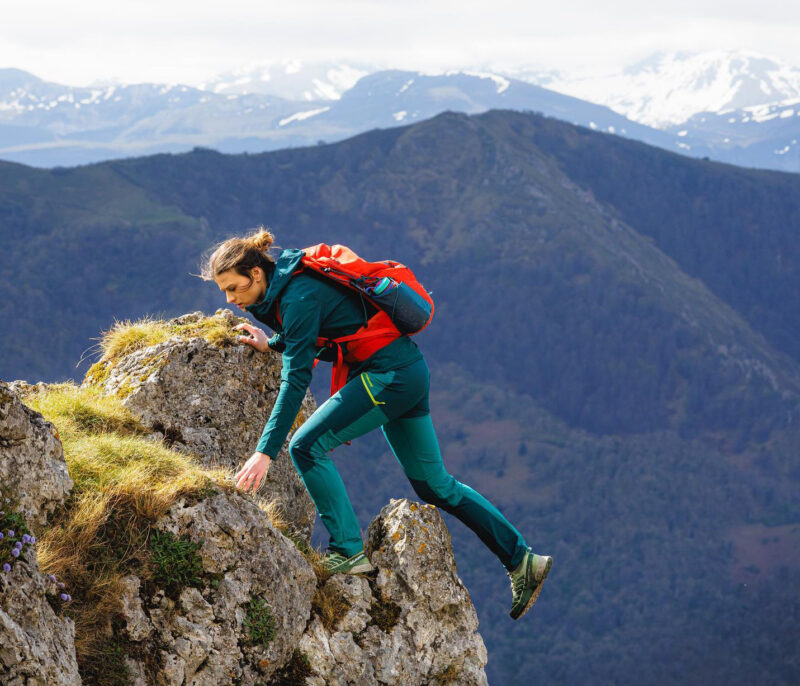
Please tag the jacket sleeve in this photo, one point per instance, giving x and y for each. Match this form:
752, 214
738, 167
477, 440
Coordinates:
276, 343
301, 320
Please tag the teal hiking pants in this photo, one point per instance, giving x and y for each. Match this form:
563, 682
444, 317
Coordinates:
396, 401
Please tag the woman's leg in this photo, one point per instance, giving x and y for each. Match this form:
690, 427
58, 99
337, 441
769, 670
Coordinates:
412, 439
364, 403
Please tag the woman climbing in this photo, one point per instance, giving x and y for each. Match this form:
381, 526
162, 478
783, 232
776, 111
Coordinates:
388, 390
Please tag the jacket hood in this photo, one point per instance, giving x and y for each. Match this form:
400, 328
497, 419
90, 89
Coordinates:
285, 266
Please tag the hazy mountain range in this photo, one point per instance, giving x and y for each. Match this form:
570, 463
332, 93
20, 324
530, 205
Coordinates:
736, 107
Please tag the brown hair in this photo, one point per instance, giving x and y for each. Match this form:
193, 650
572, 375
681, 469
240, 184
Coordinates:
241, 254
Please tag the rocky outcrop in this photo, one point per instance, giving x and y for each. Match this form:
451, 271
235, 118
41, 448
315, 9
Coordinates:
31, 459
412, 624
239, 603
36, 645
242, 621
212, 401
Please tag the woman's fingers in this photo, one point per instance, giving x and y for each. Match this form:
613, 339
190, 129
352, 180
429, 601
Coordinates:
250, 479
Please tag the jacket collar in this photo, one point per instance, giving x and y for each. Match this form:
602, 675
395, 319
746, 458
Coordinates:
285, 266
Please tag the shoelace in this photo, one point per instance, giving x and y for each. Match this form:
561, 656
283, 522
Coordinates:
517, 584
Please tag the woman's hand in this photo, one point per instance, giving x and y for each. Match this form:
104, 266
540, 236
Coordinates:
258, 340
255, 469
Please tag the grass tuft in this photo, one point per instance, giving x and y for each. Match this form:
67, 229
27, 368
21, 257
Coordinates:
329, 605
123, 483
293, 673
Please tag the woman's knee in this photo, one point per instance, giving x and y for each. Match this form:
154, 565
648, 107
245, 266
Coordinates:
300, 450
444, 492
310, 444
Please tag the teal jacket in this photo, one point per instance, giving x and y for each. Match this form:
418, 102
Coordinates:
312, 306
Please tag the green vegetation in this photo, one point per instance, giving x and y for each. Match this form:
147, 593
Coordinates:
294, 673
259, 622
14, 531
107, 667
176, 563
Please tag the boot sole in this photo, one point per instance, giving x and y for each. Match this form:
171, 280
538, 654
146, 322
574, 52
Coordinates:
542, 575
360, 568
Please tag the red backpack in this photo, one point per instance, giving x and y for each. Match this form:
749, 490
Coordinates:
404, 306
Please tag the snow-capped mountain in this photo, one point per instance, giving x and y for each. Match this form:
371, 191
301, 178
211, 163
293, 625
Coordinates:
669, 88
731, 107
48, 124
764, 136
290, 79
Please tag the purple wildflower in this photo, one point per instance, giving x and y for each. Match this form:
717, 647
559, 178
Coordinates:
11, 533
60, 584
52, 577
64, 596
1, 536
6, 567
15, 552
33, 539
69, 597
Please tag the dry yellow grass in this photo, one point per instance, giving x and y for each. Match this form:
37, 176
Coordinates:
125, 337
123, 483
329, 606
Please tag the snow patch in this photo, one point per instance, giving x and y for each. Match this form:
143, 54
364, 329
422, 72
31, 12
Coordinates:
399, 116
299, 116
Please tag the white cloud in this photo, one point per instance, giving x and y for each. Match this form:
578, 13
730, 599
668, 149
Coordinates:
176, 40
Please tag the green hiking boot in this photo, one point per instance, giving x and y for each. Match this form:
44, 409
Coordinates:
336, 563
526, 582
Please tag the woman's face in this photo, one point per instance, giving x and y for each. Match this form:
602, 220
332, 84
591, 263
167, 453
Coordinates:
239, 290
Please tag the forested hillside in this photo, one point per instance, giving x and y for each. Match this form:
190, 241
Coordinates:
614, 358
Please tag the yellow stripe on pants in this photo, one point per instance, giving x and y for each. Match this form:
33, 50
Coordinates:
363, 376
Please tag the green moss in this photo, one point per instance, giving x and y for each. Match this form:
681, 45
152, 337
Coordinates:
384, 614
446, 675
259, 622
294, 672
175, 562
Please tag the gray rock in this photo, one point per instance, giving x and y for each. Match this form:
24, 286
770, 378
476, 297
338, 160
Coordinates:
203, 636
36, 645
31, 458
414, 624
212, 402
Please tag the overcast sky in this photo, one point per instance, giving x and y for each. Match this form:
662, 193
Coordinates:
78, 42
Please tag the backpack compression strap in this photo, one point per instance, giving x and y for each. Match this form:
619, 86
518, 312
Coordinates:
341, 367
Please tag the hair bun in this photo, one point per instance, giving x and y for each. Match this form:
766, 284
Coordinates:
262, 240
